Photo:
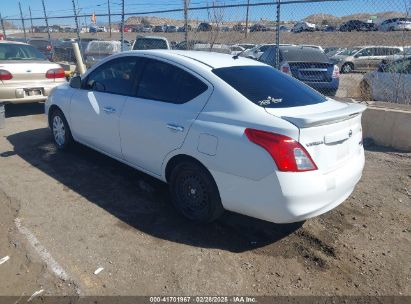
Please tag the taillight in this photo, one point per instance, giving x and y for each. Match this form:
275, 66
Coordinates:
55, 73
288, 154
285, 68
49, 47
5, 75
336, 72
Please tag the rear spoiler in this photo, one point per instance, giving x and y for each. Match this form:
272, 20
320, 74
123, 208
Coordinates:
325, 118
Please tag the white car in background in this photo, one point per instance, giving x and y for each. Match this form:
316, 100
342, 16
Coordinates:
256, 51
224, 132
304, 26
391, 82
396, 24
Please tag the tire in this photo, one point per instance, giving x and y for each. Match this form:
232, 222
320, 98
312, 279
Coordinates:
60, 130
194, 192
347, 68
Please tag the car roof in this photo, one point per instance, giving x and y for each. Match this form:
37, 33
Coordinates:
210, 60
152, 37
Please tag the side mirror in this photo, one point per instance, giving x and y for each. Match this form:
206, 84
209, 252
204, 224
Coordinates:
75, 82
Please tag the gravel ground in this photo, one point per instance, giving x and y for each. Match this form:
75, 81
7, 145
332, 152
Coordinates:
88, 211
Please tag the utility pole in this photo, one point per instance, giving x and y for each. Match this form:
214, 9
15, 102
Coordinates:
186, 22
109, 17
277, 37
47, 21
77, 27
246, 18
22, 21
122, 25
31, 20
2, 26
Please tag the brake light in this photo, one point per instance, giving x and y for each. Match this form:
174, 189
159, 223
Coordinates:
288, 154
55, 73
285, 68
336, 72
5, 75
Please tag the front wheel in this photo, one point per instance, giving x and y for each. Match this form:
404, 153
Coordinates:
61, 130
194, 192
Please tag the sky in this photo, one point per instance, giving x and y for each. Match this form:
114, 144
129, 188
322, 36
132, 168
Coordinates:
10, 9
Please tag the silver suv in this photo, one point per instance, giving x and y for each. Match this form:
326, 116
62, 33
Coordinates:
363, 58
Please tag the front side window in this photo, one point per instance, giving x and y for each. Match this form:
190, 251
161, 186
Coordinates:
165, 82
115, 76
268, 87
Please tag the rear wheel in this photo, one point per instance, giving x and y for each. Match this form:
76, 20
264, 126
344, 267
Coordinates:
347, 68
61, 130
194, 192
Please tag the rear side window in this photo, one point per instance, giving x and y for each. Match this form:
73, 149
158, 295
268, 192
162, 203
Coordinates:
268, 87
165, 82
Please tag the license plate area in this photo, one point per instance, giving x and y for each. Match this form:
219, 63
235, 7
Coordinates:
33, 92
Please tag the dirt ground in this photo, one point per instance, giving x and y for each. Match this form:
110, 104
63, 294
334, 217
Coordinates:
86, 211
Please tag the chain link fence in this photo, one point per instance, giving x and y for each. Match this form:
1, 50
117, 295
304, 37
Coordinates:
357, 49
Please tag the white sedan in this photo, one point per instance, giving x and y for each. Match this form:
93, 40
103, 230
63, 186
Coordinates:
225, 132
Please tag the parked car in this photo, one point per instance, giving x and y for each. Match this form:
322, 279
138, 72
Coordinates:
256, 51
258, 28
357, 25
303, 26
329, 28
247, 46
236, 49
204, 27
151, 43
391, 82
223, 132
284, 28
396, 24
98, 50
43, 46
159, 29
25, 74
171, 29
363, 58
217, 48
182, 29
183, 45
306, 64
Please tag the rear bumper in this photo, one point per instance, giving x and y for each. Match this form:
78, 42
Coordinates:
325, 87
20, 93
286, 197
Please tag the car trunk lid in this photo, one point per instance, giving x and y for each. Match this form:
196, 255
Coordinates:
331, 131
28, 71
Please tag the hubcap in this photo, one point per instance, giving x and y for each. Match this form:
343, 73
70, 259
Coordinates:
193, 193
59, 130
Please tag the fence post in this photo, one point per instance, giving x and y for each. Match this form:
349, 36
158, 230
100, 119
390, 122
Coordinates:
2, 26
277, 36
77, 28
31, 21
122, 25
186, 22
47, 22
246, 18
109, 17
22, 21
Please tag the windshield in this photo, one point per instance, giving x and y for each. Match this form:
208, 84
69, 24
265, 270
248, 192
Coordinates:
19, 52
149, 44
349, 52
268, 87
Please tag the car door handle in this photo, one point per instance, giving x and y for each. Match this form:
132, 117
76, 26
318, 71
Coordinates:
109, 110
175, 127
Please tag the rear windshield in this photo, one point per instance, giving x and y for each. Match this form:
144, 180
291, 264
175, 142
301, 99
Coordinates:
39, 43
304, 54
19, 52
149, 44
268, 87
104, 47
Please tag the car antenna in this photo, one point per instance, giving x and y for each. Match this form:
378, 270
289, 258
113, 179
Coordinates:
239, 54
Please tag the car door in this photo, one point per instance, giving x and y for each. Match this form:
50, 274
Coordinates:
95, 109
156, 121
